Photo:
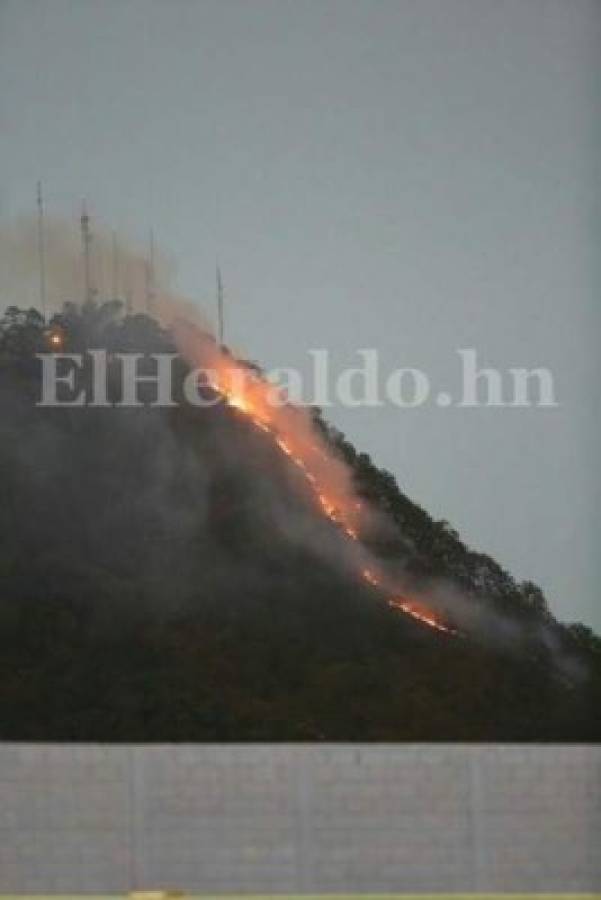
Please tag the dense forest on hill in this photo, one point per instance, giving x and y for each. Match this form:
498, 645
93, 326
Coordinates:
164, 576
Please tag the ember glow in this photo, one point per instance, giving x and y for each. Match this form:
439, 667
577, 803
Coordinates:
328, 478
55, 340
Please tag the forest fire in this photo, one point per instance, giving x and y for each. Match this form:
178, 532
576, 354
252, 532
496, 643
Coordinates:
55, 339
292, 431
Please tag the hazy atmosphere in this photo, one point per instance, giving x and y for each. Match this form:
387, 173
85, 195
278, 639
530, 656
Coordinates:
416, 177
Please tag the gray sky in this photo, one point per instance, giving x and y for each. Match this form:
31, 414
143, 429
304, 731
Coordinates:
416, 176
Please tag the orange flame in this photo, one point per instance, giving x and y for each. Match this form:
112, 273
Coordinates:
55, 339
293, 432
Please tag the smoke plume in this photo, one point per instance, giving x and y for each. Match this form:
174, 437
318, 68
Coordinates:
119, 270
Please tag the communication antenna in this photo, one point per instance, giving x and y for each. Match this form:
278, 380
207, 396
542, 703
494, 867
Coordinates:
115, 266
219, 307
129, 296
129, 302
41, 252
150, 277
86, 239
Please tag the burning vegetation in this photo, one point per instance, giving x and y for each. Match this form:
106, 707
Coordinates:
236, 572
293, 432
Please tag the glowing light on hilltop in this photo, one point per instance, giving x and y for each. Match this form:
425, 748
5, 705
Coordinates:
55, 339
328, 478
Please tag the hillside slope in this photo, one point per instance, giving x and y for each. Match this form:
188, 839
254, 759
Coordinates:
165, 576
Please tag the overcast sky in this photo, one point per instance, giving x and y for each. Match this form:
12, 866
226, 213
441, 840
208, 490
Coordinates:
416, 176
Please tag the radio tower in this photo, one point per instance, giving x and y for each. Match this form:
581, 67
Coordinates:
115, 266
129, 300
150, 278
41, 252
86, 239
219, 307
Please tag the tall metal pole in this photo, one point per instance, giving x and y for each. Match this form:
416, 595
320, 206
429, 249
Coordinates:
41, 252
150, 277
129, 300
153, 281
85, 242
115, 266
220, 326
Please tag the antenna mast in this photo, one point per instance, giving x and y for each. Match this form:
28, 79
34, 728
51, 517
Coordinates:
219, 307
41, 251
115, 261
86, 239
129, 302
150, 277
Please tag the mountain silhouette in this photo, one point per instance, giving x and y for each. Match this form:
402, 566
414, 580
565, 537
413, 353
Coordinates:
169, 575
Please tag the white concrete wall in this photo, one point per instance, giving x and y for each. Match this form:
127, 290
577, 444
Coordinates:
279, 819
